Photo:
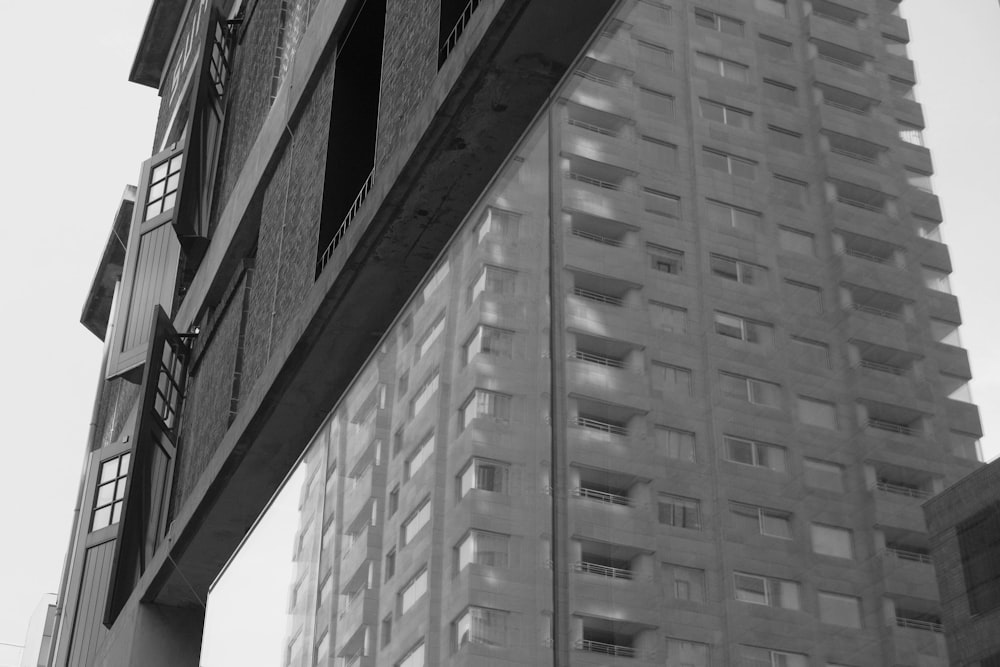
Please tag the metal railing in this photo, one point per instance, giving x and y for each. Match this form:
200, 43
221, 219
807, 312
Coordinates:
606, 649
592, 128
366, 188
603, 496
597, 296
882, 368
857, 203
603, 570
867, 256
598, 359
846, 107
906, 554
900, 490
856, 156
597, 425
597, 79
606, 240
916, 624
892, 427
463, 20
872, 310
914, 137
843, 63
589, 180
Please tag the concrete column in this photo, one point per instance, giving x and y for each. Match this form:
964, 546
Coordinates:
154, 635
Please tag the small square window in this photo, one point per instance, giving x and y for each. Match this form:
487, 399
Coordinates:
483, 475
665, 260
686, 583
679, 511
676, 444
794, 240
832, 541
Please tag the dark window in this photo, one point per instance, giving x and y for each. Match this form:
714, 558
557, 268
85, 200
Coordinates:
979, 544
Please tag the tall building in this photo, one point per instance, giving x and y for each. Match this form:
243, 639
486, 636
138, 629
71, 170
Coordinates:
606, 332
964, 527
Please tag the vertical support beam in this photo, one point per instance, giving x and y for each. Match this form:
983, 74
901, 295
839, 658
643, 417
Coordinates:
154, 635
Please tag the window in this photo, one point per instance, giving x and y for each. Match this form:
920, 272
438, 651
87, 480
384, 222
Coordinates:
415, 522
433, 333
679, 512
478, 625
730, 164
794, 240
979, 547
732, 217
810, 352
777, 91
482, 548
753, 453
412, 591
843, 610
420, 454
492, 280
386, 631
788, 140
682, 653
723, 113
424, 395
766, 591
490, 341
678, 445
728, 69
404, 384
655, 55
752, 390
823, 475
661, 203
672, 379
734, 269
776, 48
763, 520
393, 501
497, 223
656, 102
657, 154
790, 191
686, 583
765, 657
831, 541
815, 412
110, 496
667, 317
740, 328
485, 404
164, 181
414, 658
390, 564
436, 280
773, 7
718, 22
665, 259
483, 475
803, 298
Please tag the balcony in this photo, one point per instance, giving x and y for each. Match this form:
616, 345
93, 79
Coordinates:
604, 648
861, 197
598, 135
601, 496
892, 419
878, 303
846, 100
602, 425
609, 637
604, 559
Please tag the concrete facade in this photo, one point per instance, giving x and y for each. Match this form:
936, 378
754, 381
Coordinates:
678, 370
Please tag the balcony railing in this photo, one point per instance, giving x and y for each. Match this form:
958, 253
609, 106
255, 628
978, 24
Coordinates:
905, 554
598, 359
892, 427
916, 624
889, 487
836, 19
456, 32
597, 425
843, 63
603, 570
589, 180
366, 188
592, 128
861, 111
857, 203
597, 296
603, 496
882, 368
606, 240
854, 155
606, 649
598, 79
872, 310
867, 256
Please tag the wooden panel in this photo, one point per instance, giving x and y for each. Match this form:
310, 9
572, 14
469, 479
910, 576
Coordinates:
89, 631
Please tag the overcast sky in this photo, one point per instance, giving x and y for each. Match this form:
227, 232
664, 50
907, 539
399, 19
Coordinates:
75, 131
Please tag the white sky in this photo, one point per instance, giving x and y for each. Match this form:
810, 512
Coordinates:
75, 131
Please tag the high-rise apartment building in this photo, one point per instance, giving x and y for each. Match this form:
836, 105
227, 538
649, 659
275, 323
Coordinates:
607, 332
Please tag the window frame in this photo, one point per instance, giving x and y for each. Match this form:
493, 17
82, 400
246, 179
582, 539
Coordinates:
689, 516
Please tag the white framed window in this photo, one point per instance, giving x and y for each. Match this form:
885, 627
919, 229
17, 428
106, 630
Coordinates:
684, 653
832, 541
667, 317
718, 22
482, 547
842, 610
752, 390
741, 328
483, 475
723, 113
676, 444
420, 455
815, 412
823, 475
492, 280
686, 583
767, 591
432, 334
661, 203
479, 625
424, 395
414, 657
729, 69
417, 520
763, 520
671, 379
679, 511
110, 496
412, 591
483, 404
728, 216
498, 223
737, 167
490, 341
753, 453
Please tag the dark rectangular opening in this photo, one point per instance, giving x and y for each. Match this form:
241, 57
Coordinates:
350, 157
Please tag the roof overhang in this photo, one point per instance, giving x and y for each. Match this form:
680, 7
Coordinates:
157, 40
97, 307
